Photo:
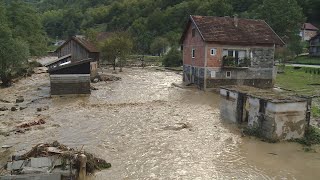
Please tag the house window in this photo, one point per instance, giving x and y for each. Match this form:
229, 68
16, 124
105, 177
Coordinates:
228, 74
213, 74
193, 32
213, 52
193, 53
238, 54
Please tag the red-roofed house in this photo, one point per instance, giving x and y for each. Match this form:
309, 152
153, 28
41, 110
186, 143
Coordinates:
308, 31
228, 51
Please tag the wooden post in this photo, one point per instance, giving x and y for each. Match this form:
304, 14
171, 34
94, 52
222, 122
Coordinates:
82, 170
308, 113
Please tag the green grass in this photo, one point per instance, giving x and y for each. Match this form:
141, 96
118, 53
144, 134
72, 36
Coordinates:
147, 58
315, 111
305, 81
306, 60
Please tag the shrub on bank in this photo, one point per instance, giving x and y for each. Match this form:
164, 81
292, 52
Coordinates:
172, 59
24, 69
311, 136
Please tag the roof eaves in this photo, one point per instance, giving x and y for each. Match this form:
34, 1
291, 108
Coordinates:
191, 17
63, 44
274, 32
57, 60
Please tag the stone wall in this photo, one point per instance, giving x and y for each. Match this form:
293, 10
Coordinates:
194, 75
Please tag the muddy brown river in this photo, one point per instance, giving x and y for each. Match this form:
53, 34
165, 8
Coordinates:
148, 129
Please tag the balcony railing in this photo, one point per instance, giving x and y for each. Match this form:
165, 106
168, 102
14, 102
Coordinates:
232, 62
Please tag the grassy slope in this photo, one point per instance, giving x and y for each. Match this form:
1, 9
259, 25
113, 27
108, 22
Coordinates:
299, 81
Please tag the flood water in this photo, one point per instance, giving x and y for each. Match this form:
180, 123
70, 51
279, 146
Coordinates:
135, 125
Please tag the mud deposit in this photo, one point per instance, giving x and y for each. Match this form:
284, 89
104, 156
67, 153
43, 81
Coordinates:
148, 129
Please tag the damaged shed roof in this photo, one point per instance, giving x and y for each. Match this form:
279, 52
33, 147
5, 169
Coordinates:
234, 30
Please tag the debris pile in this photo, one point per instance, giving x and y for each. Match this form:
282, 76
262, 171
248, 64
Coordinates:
178, 127
4, 108
105, 77
33, 123
45, 108
20, 99
53, 158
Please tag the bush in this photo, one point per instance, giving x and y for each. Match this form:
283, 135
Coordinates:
229, 61
311, 136
172, 59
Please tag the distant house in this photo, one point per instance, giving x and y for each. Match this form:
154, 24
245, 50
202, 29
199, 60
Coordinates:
228, 51
308, 31
78, 48
314, 46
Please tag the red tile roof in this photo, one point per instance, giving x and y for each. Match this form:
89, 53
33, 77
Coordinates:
309, 26
225, 30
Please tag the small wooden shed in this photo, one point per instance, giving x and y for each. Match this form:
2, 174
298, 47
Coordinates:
80, 48
71, 78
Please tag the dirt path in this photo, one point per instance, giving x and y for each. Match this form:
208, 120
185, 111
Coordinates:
148, 129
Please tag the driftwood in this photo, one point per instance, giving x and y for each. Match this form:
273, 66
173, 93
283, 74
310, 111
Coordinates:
45, 150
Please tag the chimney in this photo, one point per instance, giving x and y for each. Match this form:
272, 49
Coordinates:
236, 20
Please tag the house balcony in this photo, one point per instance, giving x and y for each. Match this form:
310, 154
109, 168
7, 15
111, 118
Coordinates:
235, 63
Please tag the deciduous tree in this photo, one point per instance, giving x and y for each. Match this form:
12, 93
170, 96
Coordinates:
118, 47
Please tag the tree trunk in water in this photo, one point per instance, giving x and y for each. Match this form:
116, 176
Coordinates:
114, 65
120, 66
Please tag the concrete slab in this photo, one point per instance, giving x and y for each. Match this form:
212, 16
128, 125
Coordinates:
41, 162
15, 165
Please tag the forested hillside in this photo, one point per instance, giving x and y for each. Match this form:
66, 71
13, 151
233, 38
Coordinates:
147, 19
